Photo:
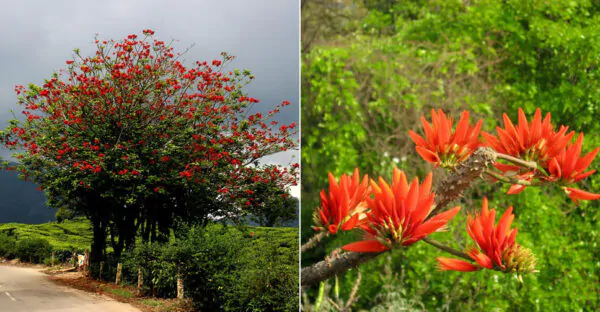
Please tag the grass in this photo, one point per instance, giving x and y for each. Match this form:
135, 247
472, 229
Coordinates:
123, 293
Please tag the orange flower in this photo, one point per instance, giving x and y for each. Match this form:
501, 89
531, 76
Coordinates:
443, 147
398, 214
346, 200
536, 141
532, 141
568, 167
497, 246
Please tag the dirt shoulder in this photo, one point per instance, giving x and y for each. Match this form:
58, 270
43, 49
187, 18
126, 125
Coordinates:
125, 294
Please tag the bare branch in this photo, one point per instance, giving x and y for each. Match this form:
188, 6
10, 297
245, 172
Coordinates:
313, 241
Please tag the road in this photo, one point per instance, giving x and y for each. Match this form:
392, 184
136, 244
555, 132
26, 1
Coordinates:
28, 290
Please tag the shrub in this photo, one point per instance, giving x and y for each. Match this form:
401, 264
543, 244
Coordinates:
224, 268
7, 246
34, 250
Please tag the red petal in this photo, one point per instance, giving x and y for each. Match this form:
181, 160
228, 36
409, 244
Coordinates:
419, 141
366, 246
583, 175
554, 168
461, 128
449, 264
576, 194
515, 189
428, 155
434, 224
481, 259
351, 223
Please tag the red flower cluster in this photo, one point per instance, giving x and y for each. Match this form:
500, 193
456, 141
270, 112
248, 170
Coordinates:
442, 146
345, 203
496, 246
398, 213
560, 161
538, 141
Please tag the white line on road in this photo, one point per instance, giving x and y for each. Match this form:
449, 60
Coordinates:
11, 297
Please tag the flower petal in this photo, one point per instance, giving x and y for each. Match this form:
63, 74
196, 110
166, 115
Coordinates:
449, 264
366, 246
577, 194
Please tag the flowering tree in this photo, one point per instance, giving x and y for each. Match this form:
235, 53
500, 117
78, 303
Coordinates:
133, 139
531, 153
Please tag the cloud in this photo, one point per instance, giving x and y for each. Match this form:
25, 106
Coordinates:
38, 36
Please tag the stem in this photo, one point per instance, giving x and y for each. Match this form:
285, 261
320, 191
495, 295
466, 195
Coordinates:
323, 270
506, 179
517, 161
509, 179
468, 171
313, 241
447, 249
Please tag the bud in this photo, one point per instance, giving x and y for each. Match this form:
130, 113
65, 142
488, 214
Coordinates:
518, 259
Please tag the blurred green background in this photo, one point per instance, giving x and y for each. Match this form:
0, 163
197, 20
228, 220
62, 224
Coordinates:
371, 68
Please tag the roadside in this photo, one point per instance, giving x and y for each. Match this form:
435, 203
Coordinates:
65, 276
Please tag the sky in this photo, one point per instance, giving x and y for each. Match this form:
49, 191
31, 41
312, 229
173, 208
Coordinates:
39, 36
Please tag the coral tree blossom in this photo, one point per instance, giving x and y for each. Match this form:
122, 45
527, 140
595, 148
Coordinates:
532, 141
538, 141
496, 246
441, 146
398, 214
568, 167
342, 208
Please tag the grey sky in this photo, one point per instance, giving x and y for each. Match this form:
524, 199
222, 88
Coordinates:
39, 36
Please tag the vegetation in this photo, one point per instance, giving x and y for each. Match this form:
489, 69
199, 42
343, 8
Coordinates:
371, 70
74, 235
224, 267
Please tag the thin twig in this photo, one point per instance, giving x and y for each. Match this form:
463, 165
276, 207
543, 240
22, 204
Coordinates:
509, 179
313, 241
517, 161
447, 249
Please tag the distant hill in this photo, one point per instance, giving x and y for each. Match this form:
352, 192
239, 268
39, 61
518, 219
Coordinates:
21, 202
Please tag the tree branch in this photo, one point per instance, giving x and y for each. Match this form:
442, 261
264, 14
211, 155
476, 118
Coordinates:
447, 249
449, 189
313, 241
517, 161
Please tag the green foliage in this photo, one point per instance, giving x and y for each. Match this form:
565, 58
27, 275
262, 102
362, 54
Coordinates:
363, 92
70, 235
33, 250
224, 268
7, 246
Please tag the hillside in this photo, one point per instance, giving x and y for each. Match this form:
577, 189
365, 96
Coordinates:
70, 234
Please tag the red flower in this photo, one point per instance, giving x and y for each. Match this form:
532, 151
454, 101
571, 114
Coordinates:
346, 200
443, 147
497, 246
533, 141
536, 140
569, 167
398, 214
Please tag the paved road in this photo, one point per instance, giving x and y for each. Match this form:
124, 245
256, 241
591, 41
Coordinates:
28, 290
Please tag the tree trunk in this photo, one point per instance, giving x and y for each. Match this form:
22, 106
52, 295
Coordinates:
99, 239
